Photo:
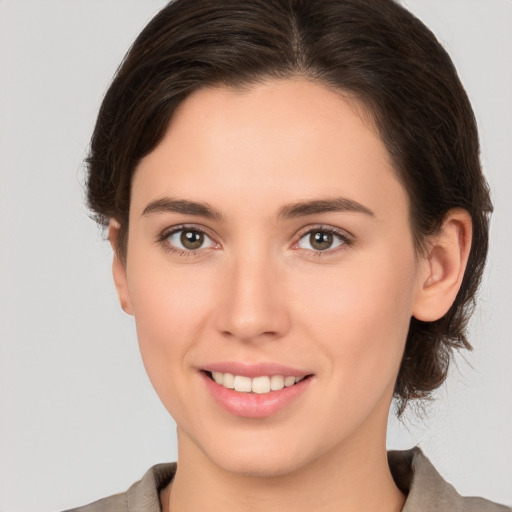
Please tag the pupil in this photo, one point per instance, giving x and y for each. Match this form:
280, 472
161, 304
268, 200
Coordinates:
192, 239
321, 240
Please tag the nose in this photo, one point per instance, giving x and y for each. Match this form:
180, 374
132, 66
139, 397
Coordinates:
252, 302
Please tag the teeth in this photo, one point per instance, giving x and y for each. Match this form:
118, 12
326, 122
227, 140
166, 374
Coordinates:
289, 381
242, 384
259, 385
228, 381
276, 382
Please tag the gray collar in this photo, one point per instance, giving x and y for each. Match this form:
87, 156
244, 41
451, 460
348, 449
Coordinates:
413, 473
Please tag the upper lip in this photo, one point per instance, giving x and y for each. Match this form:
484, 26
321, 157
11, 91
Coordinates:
254, 369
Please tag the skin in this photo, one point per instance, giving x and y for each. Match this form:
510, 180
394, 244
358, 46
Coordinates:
258, 290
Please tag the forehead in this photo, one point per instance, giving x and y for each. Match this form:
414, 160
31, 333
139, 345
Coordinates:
281, 140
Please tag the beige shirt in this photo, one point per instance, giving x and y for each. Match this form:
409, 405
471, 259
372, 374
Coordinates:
413, 473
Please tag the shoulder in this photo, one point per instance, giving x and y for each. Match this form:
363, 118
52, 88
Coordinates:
427, 491
142, 496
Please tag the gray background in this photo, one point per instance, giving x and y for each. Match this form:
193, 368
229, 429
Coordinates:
79, 419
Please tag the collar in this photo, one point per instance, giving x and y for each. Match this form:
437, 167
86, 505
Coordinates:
413, 473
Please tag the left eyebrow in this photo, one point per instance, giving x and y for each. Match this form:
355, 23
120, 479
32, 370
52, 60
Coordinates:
170, 205
336, 204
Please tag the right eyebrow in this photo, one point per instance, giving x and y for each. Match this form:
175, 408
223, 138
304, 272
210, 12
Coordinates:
317, 206
170, 205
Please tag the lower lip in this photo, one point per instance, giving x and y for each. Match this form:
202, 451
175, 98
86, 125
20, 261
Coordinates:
253, 405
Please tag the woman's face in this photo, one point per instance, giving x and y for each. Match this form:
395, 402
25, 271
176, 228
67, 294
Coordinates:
269, 238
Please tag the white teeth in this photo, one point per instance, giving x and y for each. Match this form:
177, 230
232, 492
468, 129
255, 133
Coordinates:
229, 381
259, 385
289, 381
242, 383
276, 382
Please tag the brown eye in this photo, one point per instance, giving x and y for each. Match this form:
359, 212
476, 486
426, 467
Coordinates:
191, 239
321, 240
188, 239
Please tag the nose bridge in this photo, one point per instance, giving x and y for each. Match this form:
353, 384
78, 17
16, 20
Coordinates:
253, 297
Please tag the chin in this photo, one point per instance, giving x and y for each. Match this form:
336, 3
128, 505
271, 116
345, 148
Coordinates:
258, 466
262, 456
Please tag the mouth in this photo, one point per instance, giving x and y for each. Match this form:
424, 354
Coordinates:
259, 385
256, 389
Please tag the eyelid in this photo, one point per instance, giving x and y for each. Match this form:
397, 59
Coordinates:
345, 236
163, 238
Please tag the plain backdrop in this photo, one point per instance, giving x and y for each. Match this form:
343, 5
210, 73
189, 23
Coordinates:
79, 419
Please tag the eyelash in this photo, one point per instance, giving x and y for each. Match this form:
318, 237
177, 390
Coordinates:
163, 239
346, 240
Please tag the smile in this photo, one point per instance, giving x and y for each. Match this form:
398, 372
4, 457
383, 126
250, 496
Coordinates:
256, 390
259, 385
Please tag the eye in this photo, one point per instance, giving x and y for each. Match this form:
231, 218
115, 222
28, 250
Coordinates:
188, 239
321, 239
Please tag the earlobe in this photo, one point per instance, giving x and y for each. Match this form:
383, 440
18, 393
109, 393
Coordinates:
443, 268
119, 269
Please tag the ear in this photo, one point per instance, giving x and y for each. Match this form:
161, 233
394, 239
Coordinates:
119, 269
442, 269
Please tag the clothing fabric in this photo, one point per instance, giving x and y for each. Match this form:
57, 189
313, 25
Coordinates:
413, 473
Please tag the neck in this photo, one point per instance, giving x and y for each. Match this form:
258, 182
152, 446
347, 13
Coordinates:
354, 477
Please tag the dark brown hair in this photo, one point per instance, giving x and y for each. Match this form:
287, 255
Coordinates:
373, 49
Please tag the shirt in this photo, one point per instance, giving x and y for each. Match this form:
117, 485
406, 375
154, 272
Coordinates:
413, 473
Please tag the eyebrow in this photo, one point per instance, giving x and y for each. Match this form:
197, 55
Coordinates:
170, 205
335, 204
292, 210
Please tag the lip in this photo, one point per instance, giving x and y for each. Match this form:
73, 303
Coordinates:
252, 405
255, 369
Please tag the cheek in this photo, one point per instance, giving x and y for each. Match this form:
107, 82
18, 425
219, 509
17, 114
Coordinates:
171, 306
359, 316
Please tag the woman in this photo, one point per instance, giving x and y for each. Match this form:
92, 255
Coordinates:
249, 287
293, 193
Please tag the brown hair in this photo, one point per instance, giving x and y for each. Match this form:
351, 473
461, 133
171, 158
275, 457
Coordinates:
374, 49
